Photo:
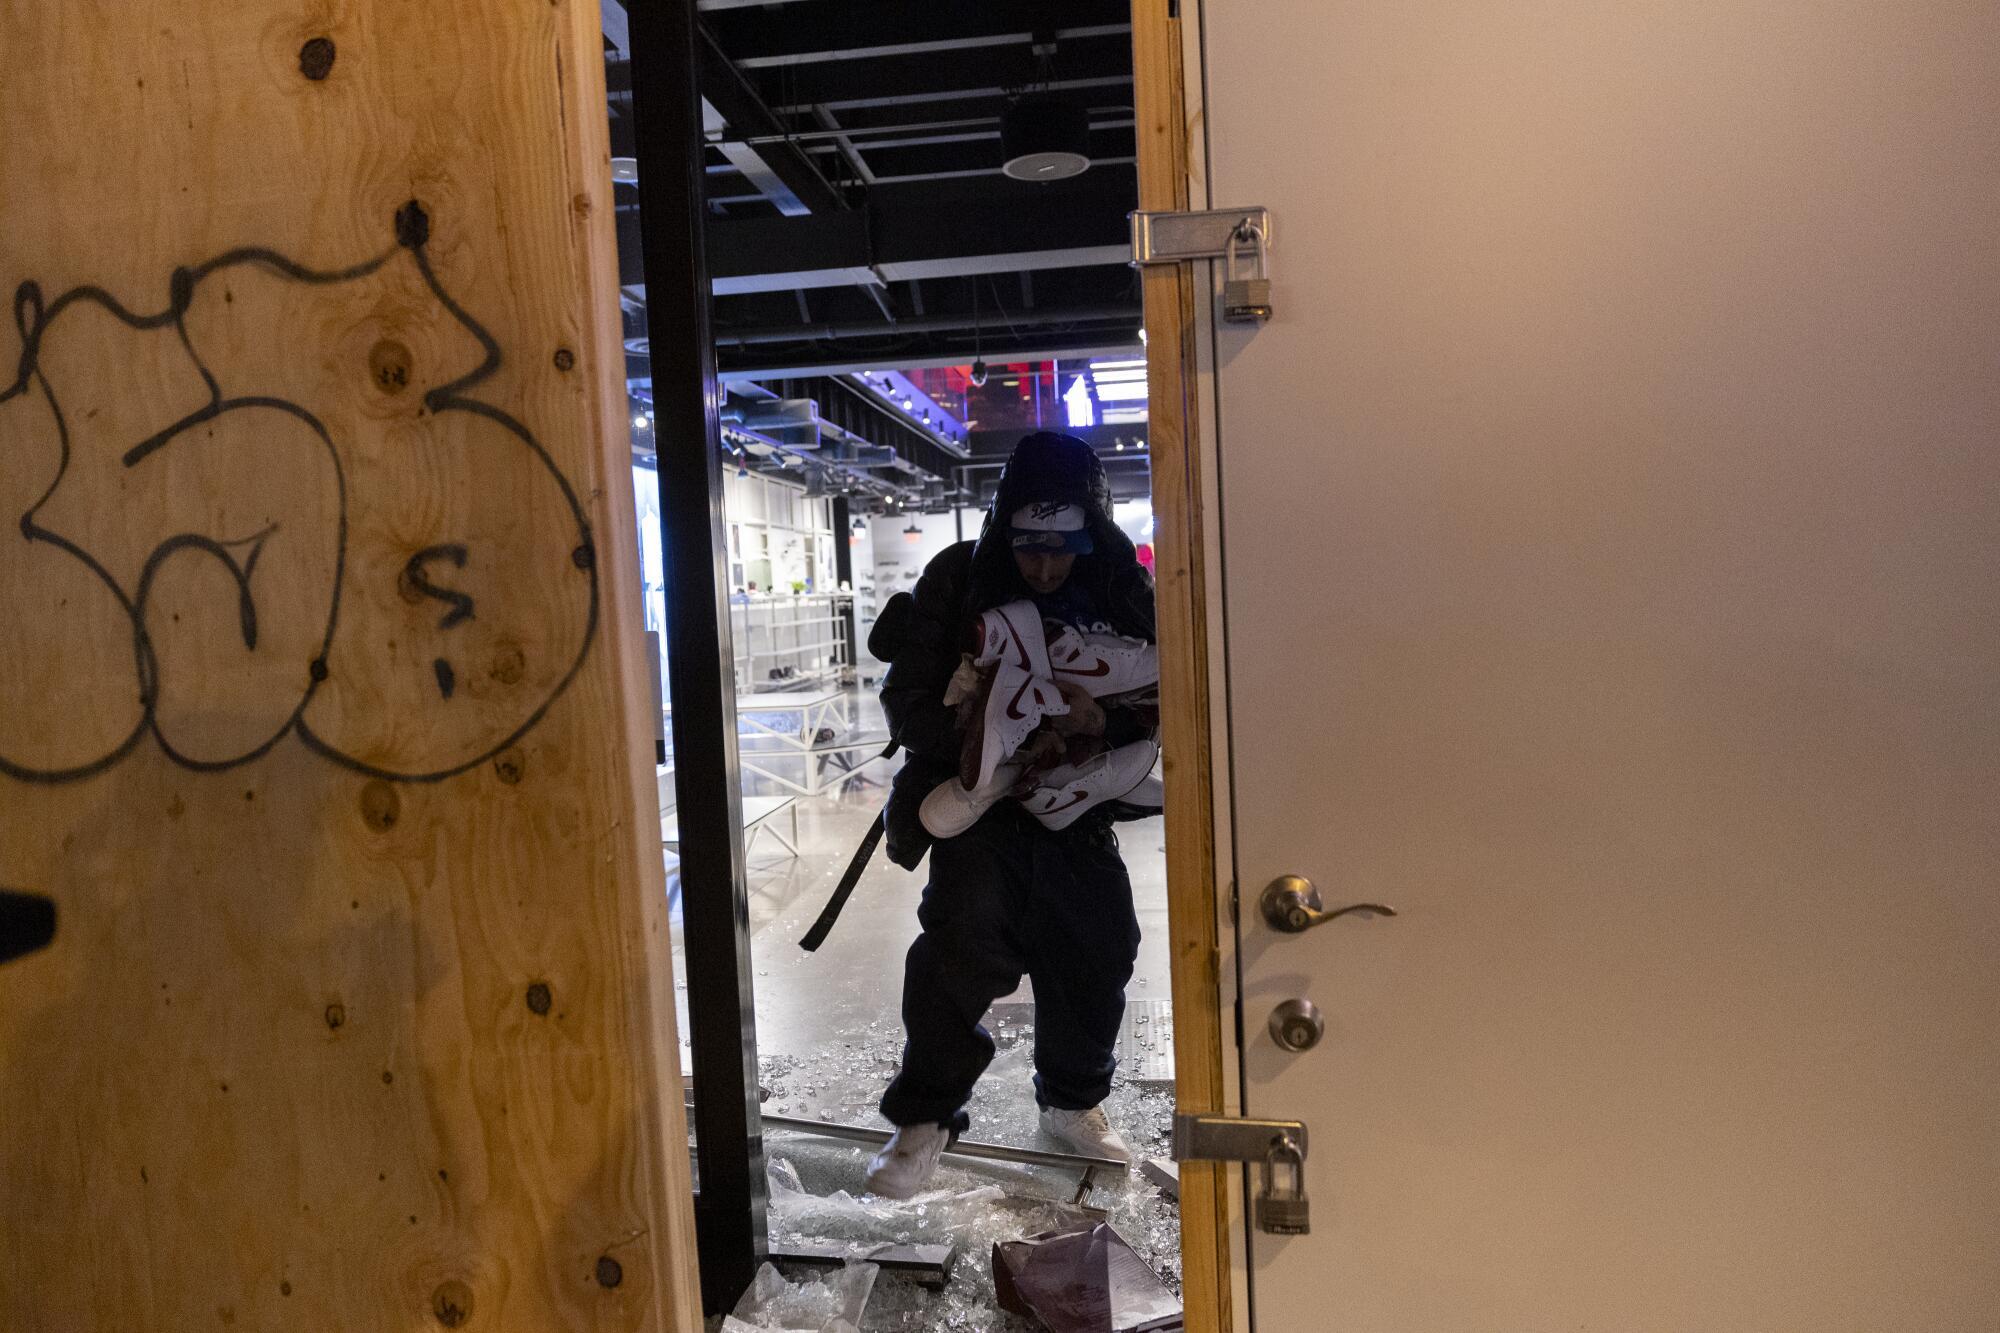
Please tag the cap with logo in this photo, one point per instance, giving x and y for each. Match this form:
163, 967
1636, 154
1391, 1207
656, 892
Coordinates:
1050, 527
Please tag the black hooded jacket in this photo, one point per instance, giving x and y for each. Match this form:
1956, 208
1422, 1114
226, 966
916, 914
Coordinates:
973, 577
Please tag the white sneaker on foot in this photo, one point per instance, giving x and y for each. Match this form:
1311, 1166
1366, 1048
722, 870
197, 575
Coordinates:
907, 1161
1086, 1132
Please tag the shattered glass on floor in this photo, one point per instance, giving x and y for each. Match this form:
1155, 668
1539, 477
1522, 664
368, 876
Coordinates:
972, 1204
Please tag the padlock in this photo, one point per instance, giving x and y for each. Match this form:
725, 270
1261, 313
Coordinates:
1246, 300
1283, 1211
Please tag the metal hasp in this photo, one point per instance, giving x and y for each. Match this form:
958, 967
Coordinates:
1168, 238
1290, 903
1222, 1138
1279, 1146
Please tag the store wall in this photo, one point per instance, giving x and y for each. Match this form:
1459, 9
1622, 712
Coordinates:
900, 557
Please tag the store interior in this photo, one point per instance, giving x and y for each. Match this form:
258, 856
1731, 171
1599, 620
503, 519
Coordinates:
914, 263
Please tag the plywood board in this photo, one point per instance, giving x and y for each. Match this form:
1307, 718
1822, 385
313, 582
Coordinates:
323, 710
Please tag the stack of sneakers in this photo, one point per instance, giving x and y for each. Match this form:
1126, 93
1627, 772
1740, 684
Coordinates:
1023, 672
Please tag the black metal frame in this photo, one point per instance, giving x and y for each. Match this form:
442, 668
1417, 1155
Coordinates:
843, 570
729, 1137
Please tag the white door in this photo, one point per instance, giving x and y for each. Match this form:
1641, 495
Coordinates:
1611, 574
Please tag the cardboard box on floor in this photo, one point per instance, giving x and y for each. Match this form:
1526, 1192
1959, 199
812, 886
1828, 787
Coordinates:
1086, 1281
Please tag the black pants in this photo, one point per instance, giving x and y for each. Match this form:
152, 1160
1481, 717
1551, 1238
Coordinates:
1009, 897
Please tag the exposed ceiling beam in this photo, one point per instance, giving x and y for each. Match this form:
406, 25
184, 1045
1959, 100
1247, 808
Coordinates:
825, 31
960, 42
847, 362
991, 446
941, 73
776, 166
910, 232
965, 90
748, 337
617, 27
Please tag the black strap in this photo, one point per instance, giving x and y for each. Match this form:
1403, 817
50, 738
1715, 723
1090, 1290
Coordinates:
829, 914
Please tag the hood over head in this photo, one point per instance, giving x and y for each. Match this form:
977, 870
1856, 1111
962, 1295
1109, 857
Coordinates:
1050, 468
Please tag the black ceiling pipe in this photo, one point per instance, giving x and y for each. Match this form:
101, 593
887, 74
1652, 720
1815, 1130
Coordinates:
1041, 315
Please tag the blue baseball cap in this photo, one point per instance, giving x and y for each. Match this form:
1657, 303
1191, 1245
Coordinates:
1050, 527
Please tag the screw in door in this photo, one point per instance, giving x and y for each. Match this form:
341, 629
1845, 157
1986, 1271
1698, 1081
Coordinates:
1296, 1025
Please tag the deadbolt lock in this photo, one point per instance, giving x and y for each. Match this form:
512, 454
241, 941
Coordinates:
1296, 1025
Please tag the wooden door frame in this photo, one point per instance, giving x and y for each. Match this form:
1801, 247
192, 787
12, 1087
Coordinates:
1194, 947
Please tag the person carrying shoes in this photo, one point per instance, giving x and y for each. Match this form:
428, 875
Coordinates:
1020, 786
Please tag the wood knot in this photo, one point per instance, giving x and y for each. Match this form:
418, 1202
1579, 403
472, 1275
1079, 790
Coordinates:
509, 664
609, 1272
539, 998
336, 1016
413, 226
451, 1303
380, 805
511, 766
389, 366
316, 58
565, 359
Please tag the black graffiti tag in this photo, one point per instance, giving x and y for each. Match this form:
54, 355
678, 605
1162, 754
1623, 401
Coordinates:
460, 603
316, 541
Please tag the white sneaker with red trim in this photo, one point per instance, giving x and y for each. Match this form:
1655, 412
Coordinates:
1024, 689
1063, 794
950, 809
1104, 664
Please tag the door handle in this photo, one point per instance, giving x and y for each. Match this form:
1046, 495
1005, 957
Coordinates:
1291, 904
